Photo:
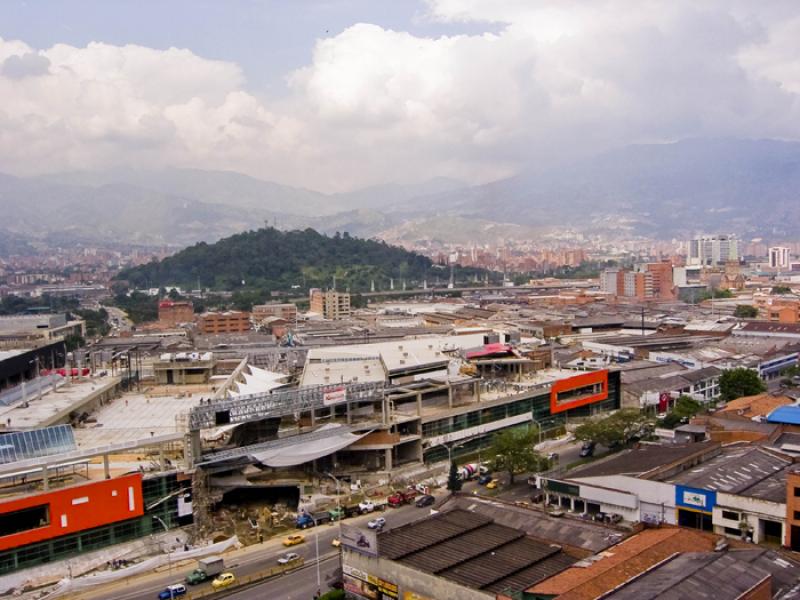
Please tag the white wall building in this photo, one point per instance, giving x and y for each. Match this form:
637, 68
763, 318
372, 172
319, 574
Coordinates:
778, 257
712, 250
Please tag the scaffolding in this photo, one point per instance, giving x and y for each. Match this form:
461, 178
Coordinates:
244, 409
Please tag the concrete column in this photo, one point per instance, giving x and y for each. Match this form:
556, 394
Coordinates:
477, 385
162, 463
45, 479
349, 417
419, 405
572, 505
192, 448
313, 418
450, 396
389, 464
106, 469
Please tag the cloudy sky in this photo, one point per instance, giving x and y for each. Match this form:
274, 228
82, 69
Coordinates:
333, 95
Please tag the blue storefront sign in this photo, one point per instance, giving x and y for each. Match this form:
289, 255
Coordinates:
776, 365
695, 499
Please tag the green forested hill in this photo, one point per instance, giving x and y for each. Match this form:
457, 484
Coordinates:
270, 259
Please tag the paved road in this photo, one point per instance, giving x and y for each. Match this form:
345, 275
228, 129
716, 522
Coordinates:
123, 323
258, 558
297, 585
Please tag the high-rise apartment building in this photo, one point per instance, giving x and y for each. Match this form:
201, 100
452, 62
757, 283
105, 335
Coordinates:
611, 282
648, 281
331, 304
638, 284
713, 250
779, 257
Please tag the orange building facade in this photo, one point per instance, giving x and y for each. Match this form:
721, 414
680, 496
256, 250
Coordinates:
224, 322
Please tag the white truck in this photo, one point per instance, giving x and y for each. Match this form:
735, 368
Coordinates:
207, 568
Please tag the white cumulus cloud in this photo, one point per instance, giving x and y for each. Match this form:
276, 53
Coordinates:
553, 79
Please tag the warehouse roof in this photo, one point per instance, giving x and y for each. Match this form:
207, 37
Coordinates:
603, 572
472, 550
583, 535
637, 461
711, 575
736, 470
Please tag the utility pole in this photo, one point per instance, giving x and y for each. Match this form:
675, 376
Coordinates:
642, 321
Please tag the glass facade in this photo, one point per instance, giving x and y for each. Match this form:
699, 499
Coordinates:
35, 443
538, 406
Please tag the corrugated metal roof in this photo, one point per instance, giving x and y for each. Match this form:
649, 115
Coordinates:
408, 539
789, 415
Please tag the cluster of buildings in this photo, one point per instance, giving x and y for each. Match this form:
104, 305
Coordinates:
711, 263
224, 421
275, 318
70, 271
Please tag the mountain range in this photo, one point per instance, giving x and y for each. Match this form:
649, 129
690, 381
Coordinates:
749, 187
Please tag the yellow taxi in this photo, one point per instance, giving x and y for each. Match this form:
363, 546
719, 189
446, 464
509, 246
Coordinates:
293, 540
223, 580
336, 542
492, 484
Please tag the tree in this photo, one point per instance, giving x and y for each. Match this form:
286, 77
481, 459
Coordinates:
513, 452
781, 289
735, 383
73, 342
745, 311
615, 429
686, 407
453, 480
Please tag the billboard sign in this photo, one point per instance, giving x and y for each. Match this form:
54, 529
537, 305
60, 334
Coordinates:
363, 585
333, 396
360, 539
695, 499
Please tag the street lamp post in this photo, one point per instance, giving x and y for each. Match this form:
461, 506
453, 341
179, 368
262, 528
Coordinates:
539, 427
338, 507
341, 515
316, 544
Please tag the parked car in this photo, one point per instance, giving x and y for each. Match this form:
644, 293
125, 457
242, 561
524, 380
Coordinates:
294, 539
367, 506
424, 501
223, 580
288, 557
492, 484
485, 478
172, 591
587, 449
377, 523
